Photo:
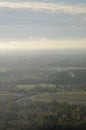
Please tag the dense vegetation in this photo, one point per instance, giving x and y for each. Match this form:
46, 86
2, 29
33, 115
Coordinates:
42, 116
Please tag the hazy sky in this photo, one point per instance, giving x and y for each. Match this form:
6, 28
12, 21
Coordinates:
42, 24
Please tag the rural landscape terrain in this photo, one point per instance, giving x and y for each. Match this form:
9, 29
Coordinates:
42, 91
42, 64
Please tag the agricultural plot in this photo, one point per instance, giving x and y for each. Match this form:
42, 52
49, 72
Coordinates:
42, 92
25, 86
70, 97
6, 97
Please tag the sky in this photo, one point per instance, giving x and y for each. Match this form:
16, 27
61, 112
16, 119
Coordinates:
42, 24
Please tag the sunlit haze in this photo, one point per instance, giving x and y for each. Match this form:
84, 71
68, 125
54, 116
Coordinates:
43, 25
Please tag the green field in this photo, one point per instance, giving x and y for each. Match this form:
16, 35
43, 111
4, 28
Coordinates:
6, 97
78, 97
35, 86
25, 86
71, 97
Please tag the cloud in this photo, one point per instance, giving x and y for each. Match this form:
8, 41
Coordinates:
42, 44
84, 19
53, 7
